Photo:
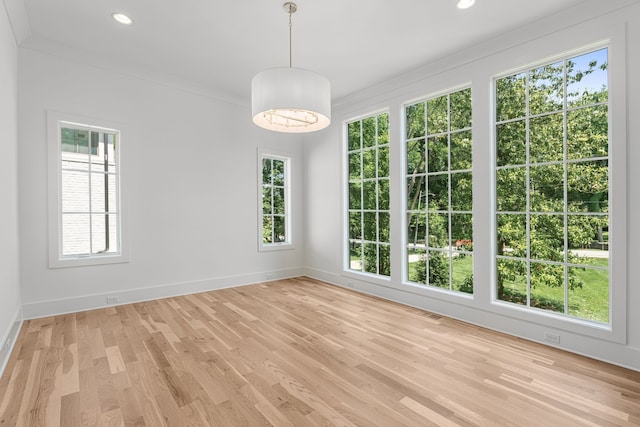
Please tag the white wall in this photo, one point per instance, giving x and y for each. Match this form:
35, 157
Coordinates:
9, 247
189, 170
324, 159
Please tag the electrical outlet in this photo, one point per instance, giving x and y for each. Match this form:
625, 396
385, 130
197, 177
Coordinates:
112, 300
551, 337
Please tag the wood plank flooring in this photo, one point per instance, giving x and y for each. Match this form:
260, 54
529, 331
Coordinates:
298, 352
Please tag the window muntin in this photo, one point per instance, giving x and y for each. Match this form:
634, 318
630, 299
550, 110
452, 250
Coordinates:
439, 234
552, 187
275, 223
369, 216
87, 195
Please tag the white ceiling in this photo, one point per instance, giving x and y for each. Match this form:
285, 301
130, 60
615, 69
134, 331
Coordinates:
219, 45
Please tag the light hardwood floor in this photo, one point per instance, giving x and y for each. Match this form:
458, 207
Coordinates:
298, 352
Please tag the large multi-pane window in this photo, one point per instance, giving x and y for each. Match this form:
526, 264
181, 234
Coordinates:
369, 246
87, 198
552, 187
439, 192
274, 208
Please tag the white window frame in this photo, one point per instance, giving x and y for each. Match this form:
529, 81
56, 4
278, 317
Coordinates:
288, 243
450, 251
55, 122
615, 330
347, 270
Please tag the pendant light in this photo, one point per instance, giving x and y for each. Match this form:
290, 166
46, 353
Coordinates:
288, 99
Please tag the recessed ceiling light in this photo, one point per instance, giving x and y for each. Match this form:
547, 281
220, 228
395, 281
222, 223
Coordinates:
465, 4
122, 18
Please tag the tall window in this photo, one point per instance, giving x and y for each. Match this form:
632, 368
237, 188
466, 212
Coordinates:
274, 207
439, 192
369, 216
86, 208
552, 187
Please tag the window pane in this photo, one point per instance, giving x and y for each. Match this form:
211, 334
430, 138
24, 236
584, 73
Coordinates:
75, 191
546, 138
588, 237
547, 286
355, 195
370, 226
384, 264
512, 235
511, 187
371, 258
416, 193
547, 237
76, 233
461, 196
278, 201
587, 78
460, 109
353, 130
417, 262
369, 132
355, 256
384, 227
266, 171
462, 231
355, 225
546, 189
383, 194
437, 115
383, 162
74, 140
102, 185
439, 192
589, 297
438, 230
278, 172
512, 281
383, 129
417, 229
266, 200
267, 229
104, 233
588, 186
279, 232
415, 121
461, 150
369, 194
438, 153
369, 164
415, 156
439, 265
354, 165
588, 133
512, 143
546, 89
462, 272
511, 97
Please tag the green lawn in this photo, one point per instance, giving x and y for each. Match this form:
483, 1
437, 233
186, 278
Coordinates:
591, 301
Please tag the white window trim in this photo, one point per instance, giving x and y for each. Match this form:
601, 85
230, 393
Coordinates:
288, 244
616, 329
56, 259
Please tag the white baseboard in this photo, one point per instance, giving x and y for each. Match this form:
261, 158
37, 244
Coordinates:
9, 340
605, 351
89, 302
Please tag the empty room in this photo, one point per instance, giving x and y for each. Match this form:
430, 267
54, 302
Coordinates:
313, 213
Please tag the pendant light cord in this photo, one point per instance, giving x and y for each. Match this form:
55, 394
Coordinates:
290, 44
